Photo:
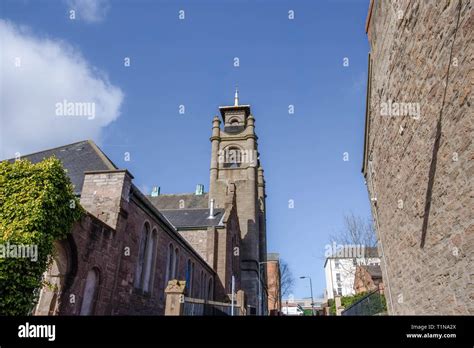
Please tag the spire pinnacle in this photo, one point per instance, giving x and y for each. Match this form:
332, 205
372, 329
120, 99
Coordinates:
236, 97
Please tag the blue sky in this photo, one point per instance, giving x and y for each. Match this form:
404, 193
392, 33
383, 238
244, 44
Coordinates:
190, 62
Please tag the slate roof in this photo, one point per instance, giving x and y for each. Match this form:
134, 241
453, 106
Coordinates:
171, 201
84, 156
192, 218
374, 270
76, 158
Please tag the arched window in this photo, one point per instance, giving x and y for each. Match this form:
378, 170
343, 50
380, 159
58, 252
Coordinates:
204, 287
232, 157
146, 256
176, 263
189, 277
234, 125
55, 276
210, 289
233, 255
90, 292
141, 256
169, 265
149, 261
192, 277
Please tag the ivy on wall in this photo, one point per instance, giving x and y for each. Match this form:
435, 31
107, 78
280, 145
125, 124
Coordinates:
37, 207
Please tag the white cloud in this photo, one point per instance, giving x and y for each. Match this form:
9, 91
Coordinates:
49, 72
89, 10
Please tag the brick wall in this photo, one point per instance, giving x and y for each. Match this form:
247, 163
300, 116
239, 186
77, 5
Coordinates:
421, 167
273, 285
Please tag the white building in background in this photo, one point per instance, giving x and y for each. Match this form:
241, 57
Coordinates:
340, 270
292, 306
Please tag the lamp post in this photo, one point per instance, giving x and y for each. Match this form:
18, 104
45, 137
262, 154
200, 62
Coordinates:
311, 288
233, 296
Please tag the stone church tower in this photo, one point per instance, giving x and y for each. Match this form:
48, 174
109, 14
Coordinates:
234, 161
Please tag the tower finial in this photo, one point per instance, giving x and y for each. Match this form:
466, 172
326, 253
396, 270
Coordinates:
236, 97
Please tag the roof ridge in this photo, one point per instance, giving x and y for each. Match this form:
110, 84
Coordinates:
102, 155
179, 194
51, 149
107, 161
177, 209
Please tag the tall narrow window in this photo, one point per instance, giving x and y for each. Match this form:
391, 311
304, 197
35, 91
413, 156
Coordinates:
189, 277
192, 278
153, 260
198, 288
210, 290
139, 274
90, 292
146, 257
169, 265
175, 264
202, 285
149, 261
233, 255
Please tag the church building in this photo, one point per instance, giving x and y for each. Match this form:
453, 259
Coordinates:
120, 257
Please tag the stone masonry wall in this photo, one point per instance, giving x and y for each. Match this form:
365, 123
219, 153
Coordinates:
103, 192
422, 170
132, 301
198, 240
114, 252
92, 244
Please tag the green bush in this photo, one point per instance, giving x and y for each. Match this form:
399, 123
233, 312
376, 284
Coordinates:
37, 207
346, 301
377, 304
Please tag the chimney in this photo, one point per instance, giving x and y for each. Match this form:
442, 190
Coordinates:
211, 210
155, 192
236, 97
106, 193
199, 190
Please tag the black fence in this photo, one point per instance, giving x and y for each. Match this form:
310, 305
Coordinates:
372, 304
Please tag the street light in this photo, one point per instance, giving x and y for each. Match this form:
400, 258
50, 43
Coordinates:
311, 288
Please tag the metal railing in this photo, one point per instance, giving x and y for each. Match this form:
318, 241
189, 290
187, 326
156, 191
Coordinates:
372, 304
194, 306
